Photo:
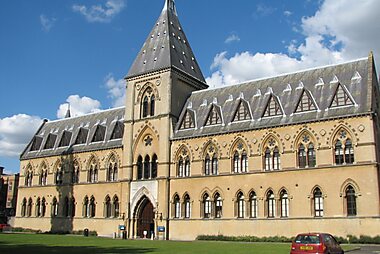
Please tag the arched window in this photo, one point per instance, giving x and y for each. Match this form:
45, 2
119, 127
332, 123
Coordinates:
112, 172
318, 202
66, 206
28, 178
148, 104
153, 174
351, 201
152, 105
86, 211
244, 161
115, 207
206, 206
271, 205
72, 207
146, 167
218, 205
145, 106
92, 207
187, 206
344, 150
272, 155
211, 161
240, 159
43, 176
107, 207
29, 209
187, 167
306, 153
253, 205
58, 179
38, 207
284, 203
183, 166
139, 168
301, 156
43, 207
240, 205
93, 172
236, 162
177, 207
75, 173
23, 208
54, 208
311, 158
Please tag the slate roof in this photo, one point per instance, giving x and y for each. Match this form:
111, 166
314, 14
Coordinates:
321, 83
166, 47
107, 118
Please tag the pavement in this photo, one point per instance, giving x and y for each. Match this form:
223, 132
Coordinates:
367, 249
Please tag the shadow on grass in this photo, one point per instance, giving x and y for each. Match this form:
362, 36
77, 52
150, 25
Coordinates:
6, 248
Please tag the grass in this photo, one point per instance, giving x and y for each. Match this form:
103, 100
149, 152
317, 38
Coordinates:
67, 244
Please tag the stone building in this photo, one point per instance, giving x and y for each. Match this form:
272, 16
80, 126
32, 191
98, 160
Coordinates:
274, 156
8, 195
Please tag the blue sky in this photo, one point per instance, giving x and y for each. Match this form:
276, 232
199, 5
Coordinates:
53, 52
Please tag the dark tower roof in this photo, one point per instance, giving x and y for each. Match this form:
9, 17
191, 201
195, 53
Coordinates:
166, 47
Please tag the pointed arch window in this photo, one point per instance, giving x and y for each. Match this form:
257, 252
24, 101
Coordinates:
305, 103
339, 155
86, 211
43, 176
311, 157
72, 207
28, 178
43, 207
93, 173
107, 207
344, 150
112, 171
341, 98
273, 107
153, 174
54, 207
284, 203
211, 161
29, 208
146, 167
100, 133
187, 206
206, 206
23, 207
118, 131
213, 116
351, 201
240, 205
177, 207
218, 205
188, 122
242, 112
301, 156
183, 165
148, 104
152, 105
75, 172
140, 168
349, 152
318, 202
92, 207
240, 159
306, 152
38, 207
272, 157
253, 205
271, 205
115, 207
58, 177
145, 106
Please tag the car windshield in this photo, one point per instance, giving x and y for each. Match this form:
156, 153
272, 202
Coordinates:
307, 239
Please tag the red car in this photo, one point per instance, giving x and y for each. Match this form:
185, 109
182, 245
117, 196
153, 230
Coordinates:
315, 243
3, 226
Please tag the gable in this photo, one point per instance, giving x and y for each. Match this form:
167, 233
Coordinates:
341, 97
305, 103
273, 107
214, 116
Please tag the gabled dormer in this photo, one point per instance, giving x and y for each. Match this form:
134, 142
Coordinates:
341, 98
273, 107
306, 102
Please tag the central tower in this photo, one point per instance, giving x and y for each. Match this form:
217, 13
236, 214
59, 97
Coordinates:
162, 77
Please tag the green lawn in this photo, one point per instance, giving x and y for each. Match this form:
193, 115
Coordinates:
43, 244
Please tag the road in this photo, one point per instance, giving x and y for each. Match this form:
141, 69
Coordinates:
367, 249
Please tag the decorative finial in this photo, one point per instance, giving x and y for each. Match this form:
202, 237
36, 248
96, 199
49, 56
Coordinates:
68, 113
170, 5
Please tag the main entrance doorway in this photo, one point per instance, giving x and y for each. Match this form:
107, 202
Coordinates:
145, 219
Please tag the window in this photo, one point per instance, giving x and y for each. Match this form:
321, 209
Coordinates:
211, 161
218, 205
305, 103
311, 158
154, 167
115, 207
139, 168
82, 136
72, 207
187, 122
36, 144
28, 178
50, 142
75, 172
240, 159
43, 207
107, 207
206, 206
177, 207
284, 204
118, 131
306, 152
351, 201
240, 205
273, 107
146, 167
242, 112
43, 176
29, 209
23, 208
93, 173
253, 205
148, 104
344, 150
341, 98
183, 165
100, 134
214, 116
187, 206
301, 156
65, 139
86, 211
271, 205
54, 208
272, 155
58, 177
318, 203
92, 207
112, 172
38, 207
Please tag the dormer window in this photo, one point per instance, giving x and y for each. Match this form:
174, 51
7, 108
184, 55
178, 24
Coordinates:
50, 142
100, 134
148, 106
305, 103
82, 136
66, 138
188, 121
341, 98
118, 131
273, 107
242, 112
214, 116
37, 141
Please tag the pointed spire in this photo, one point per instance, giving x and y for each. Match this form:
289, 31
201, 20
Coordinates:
166, 47
68, 113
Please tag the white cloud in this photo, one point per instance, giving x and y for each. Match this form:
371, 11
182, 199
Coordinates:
339, 31
288, 13
263, 10
116, 90
232, 38
100, 13
47, 23
15, 133
78, 106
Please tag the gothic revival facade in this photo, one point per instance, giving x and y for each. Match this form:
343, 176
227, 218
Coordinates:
275, 156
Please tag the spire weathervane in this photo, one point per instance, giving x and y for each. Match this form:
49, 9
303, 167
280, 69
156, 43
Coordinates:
68, 113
